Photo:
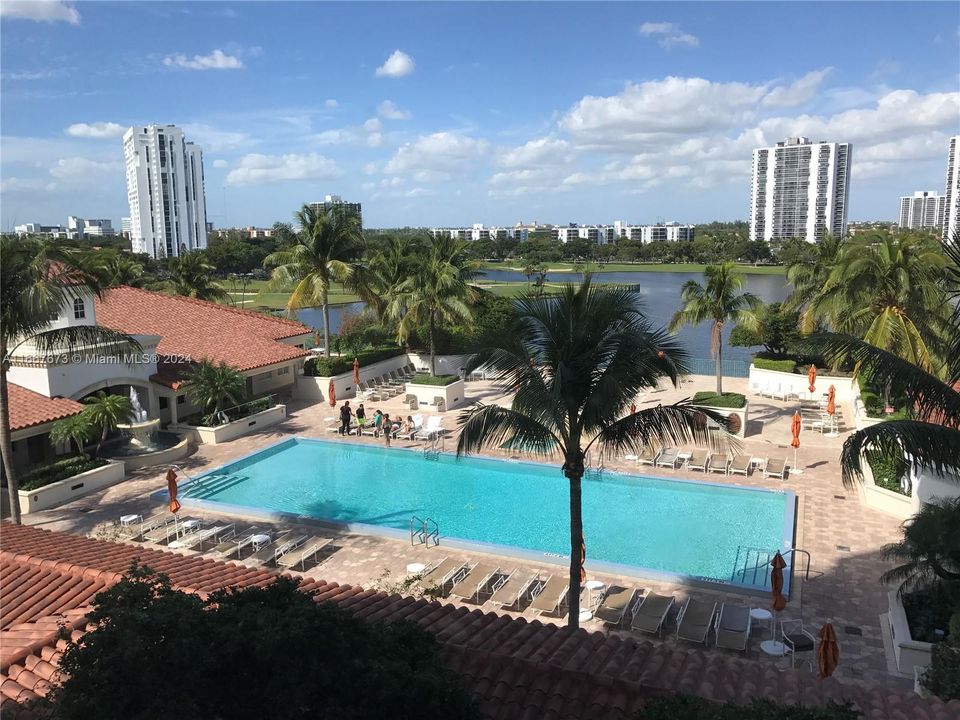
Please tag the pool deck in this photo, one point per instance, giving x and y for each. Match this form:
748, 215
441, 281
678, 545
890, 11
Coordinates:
843, 536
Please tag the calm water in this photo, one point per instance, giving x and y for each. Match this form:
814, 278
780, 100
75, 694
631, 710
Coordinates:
661, 292
690, 528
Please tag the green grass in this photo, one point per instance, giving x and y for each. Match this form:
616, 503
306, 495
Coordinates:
727, 400
638, 267
255, 296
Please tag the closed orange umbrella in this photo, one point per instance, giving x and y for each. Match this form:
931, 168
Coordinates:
795, 426
776, 582
812, 377
317, 342
356, 371
172, 491
828, 652
831, 400
332, 394
633, 408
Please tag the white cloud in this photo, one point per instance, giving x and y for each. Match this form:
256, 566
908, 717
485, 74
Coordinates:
669, 34
443, 152
256, 168
97, 130
331, 104
220, 163
217, 60
212, 139
373, 125
540, 151
39, 11
370, 168
83, 169
368, 134
389, 111
397, 65
797, 93
25, 185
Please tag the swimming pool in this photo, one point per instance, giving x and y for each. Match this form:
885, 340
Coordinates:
632, 524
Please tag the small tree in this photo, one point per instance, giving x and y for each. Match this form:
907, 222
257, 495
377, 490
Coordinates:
260, 652
776, 330
213, 385
105, 412
77, 429
929, 551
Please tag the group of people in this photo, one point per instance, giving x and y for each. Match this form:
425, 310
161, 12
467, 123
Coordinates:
382, 423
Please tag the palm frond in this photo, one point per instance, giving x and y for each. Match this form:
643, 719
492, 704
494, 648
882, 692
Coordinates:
665, 426
494, 426
922, 444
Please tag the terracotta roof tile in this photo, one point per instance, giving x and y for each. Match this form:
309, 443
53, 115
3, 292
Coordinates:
28, 408
516, 669
195, 329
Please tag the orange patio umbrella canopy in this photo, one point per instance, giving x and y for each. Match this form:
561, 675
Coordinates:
172, 491
812, 377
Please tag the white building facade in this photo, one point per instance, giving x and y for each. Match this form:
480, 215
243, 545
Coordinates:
923, 209
951, 211
168, 210
800, 190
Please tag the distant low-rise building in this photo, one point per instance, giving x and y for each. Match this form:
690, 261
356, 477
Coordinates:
78, 228
57, 231
335, 201
923, 209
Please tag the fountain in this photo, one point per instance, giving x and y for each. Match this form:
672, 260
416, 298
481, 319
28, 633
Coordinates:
141, 432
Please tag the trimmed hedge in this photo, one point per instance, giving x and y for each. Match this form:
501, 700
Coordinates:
687, 707
887, 472
245, 410
327, 366
434, 379
787, 366
59, 470
727, 400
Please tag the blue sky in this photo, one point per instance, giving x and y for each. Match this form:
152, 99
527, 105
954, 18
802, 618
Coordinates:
439, 114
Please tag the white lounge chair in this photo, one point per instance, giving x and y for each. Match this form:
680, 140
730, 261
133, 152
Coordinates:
718, 463
616, 603
298, 556
446, 571
776, 467
549, 594
695, 620
508, 591
473, 583
733, 627
433, 428
649, 456
668, 458
236, 544
699, 460
740, 465
650, 613
272, 550
198, 538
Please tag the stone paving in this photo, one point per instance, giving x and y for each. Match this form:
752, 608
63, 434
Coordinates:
842, 535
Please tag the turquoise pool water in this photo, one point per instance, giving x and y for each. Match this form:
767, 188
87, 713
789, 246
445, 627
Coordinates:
695, 529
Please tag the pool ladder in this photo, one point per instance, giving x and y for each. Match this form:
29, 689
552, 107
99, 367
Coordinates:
433, 446
752, 567
595, 473
424, 531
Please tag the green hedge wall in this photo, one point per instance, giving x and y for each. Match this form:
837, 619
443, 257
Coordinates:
324, 367
434, 380
727, 400
59, 470
787, 366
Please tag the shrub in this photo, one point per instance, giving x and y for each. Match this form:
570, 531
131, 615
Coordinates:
888, 471
777, 330
930, 609
325, 367
236, 413
425, 379
787, 366
59, 470
727, 400
686, 707
942, 678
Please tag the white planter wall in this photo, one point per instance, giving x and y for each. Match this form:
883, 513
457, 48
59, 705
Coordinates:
910, 653
743, 413
235, 429
454, 394
71, 488
446, 364
845, 387
316, 388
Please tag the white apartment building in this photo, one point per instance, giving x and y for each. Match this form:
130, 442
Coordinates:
78, 227
951, 210
800, 190
924, 209
168, 209
332, 201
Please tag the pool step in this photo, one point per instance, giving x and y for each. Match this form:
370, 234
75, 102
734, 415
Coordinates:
209, 486
752, 566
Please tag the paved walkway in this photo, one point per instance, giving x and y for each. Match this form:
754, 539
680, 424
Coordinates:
842, 536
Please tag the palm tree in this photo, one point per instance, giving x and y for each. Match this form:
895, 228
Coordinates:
886, 289
930, 548
578, 360
116, 269
378, 280
212, 385
192, 276
930, 437
328, 247
717, 302
438, 290
809, 276
37, 280
105, 412
76, 429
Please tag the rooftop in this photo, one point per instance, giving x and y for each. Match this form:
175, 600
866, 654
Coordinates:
28, 408
515, 667
193, 330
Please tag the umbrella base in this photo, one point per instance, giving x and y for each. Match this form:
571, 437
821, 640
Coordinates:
773, 647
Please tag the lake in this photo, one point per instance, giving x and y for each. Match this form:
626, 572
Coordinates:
661, 294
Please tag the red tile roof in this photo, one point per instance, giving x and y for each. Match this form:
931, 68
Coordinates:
28, 408
516, 669
195, 329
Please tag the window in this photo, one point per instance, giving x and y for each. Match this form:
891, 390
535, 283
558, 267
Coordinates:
181, 399
283, 371
79, 309
163, 403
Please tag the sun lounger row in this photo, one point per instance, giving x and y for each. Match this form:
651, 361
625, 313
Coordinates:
705, 462
387, 385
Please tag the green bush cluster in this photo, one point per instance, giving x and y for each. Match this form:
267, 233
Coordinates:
59, 470
942, 678
424, 379
245, 410
727, 400
325, 367
930, 609
887, 472
687, 707
787, 366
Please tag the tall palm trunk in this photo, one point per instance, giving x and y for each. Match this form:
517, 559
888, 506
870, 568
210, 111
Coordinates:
326, 322
433, 355
573, 469
718, 344
6, 444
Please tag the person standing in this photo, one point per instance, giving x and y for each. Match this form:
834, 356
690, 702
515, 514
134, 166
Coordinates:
387, 428
345, 415
361, 416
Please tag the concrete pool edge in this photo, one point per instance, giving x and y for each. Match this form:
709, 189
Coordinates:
787, 540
